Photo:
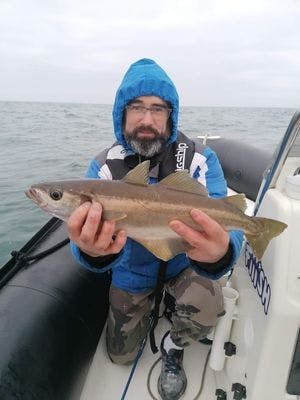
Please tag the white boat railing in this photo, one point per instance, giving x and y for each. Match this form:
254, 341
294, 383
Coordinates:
280, 156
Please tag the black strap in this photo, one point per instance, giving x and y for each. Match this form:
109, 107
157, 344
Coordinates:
23, 260
21, 257
158, 294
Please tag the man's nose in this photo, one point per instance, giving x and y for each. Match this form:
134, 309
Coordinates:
147, 118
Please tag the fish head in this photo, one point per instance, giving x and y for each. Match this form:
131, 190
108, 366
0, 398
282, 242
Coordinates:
57, 198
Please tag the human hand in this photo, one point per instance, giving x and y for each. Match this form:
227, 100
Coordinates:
209, 245
93, 236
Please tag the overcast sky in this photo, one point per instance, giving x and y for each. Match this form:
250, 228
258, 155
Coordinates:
217, 52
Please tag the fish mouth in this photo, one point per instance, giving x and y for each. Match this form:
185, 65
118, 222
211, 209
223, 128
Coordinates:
34, 195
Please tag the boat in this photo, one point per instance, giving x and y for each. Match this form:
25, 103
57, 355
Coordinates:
53, 312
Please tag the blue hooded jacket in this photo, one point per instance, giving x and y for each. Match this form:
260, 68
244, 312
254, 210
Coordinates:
135, 269
144, 78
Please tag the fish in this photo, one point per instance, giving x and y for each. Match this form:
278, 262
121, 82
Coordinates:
144, 211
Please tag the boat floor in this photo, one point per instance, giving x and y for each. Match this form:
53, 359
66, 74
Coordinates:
107, 381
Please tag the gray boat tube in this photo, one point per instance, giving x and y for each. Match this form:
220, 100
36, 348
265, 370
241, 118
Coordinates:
243, 165
52, 312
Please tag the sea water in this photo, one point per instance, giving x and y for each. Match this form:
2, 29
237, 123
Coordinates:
51, 141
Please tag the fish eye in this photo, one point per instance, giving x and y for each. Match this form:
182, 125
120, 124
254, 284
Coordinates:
55, 194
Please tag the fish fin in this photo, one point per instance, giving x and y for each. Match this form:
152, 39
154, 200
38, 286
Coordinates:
238, 200
181, 180
138, 175
113, 215
270, 229
165, 249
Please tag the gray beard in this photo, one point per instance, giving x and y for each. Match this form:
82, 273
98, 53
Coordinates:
147, 148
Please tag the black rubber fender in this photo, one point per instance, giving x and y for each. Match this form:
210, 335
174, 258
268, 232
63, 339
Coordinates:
243, 165
52, 314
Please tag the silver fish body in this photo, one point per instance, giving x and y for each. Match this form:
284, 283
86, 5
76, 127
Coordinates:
145, 211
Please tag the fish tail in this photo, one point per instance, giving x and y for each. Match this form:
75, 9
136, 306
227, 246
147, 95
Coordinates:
270, 228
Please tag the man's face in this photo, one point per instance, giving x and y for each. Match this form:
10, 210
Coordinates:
146, 127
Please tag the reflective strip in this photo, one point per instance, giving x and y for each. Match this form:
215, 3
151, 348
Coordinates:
104, 172
199, 161
116, 152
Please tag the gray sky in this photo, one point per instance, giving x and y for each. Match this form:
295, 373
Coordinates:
218, 52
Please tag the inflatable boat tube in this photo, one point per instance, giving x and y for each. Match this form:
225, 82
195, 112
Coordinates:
243, 165
51, 317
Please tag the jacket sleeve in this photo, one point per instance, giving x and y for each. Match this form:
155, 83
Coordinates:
217, 188
94, 264
93, 169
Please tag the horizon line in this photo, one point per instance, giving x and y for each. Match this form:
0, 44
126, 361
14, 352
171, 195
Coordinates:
111, 105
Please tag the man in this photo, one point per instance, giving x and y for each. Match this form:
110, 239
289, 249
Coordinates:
145, 117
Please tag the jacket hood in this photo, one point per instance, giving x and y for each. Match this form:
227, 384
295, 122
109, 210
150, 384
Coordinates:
144, 78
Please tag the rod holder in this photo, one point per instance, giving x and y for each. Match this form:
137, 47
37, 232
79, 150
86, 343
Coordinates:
222, 330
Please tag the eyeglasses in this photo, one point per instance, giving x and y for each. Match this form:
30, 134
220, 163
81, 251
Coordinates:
158, 112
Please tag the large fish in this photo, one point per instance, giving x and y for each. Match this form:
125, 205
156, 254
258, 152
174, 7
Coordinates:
144, 211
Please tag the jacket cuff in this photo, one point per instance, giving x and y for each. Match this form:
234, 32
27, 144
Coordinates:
101, 261
214, 270
80, 257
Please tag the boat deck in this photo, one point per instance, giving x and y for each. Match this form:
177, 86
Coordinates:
107, 380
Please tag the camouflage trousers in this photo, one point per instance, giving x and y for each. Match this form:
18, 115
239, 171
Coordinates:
198, 304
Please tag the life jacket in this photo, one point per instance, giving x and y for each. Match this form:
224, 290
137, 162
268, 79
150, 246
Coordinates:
135, 270
116, 162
